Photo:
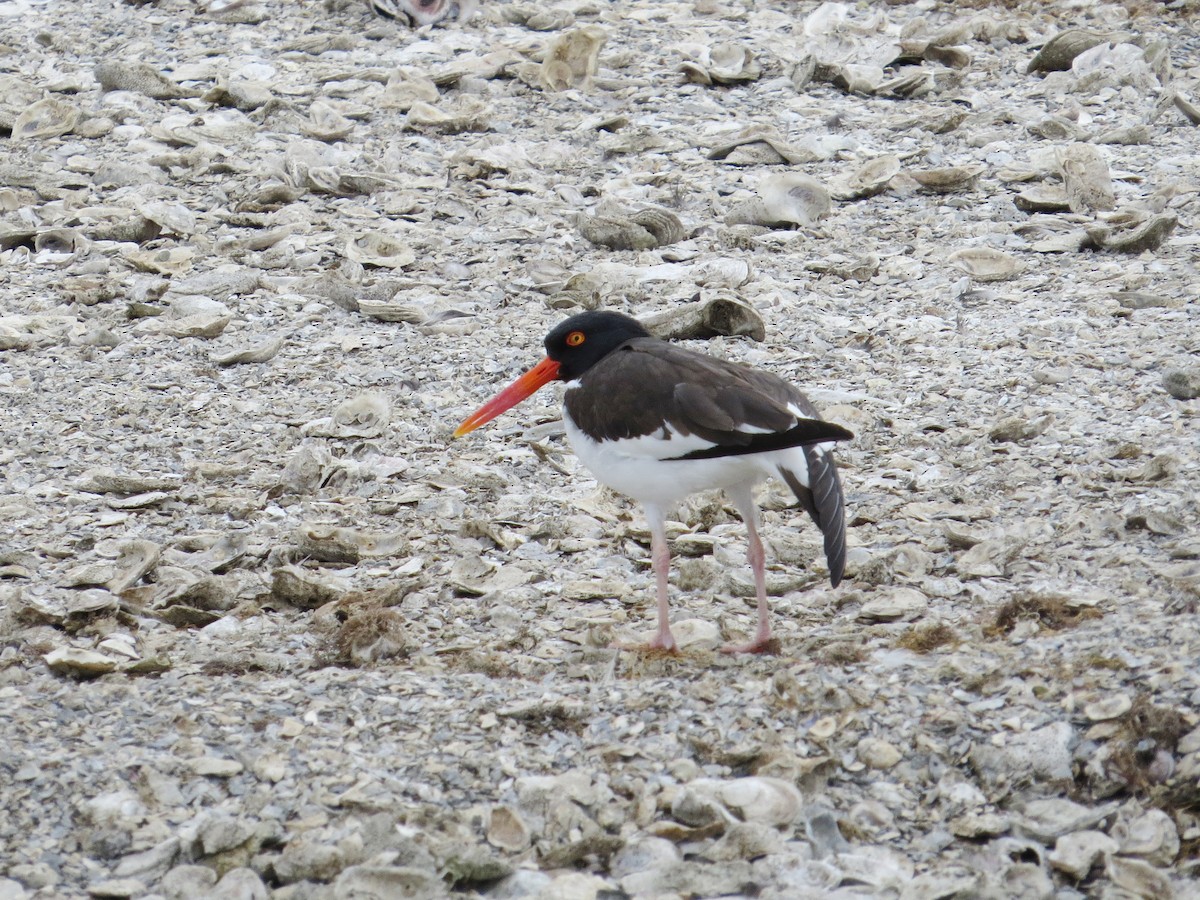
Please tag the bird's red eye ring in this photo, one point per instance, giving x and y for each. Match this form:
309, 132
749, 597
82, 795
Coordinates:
575, 338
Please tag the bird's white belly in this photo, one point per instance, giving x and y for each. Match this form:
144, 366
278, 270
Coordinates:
635, 467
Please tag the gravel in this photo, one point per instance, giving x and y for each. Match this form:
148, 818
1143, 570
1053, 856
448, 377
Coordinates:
265, 631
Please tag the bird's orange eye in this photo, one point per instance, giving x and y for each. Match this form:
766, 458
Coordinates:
575, 338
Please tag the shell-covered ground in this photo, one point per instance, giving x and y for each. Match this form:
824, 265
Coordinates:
266, 630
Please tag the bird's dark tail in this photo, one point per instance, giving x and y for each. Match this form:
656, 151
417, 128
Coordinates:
822, 499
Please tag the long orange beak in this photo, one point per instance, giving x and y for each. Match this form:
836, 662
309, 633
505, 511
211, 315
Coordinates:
541, 374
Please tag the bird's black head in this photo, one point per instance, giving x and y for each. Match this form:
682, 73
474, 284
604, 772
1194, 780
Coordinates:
583, 340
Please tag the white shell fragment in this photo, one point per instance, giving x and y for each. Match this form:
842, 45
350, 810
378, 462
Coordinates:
366, 415
948, 179
381, 250
640, 230
1058, 53
1076, 853
869, 179
572, 59
985, 264
79, 663
787, 199
722, 64
263, 351
49, 117
1086, 179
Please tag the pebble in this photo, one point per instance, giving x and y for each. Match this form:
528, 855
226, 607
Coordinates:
1049, 819
897, 603
1043, 754
387, 881
240, 884
878, 754
79, 663
1182, 384
644, 853
1111, 707
117, 887
1076, 853
214, 766
188, 881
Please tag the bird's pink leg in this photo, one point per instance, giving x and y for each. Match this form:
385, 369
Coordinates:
744, 500
660, 555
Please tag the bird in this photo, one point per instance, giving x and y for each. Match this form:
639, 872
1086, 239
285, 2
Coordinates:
657, 422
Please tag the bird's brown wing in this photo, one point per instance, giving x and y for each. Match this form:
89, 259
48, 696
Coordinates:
650, 386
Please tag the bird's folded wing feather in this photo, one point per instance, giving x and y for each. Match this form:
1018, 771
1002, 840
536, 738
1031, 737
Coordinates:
660, 391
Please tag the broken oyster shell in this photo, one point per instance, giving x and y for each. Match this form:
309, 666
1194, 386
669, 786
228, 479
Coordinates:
1133, 231
325, 123
644, 229
948, 179
573, 59
1042, 198
49, 117
1057, 54
869, 179
723, 64
760, 146
379, 249
786, 199
986, 264
1085, 179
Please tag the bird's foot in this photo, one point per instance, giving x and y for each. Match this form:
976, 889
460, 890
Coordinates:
769, 645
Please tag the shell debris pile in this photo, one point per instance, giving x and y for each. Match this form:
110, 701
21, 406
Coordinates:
265, 632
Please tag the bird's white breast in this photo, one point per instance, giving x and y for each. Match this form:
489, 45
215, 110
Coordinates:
642, 467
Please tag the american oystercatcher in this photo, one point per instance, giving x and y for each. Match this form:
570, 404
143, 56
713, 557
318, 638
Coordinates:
658, 422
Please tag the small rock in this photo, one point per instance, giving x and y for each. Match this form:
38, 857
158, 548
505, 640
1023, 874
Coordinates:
642, 853
744, 840
149, 865
575, 886
218, 833
942, 885
308, 858
1042, 754
36, 875
187, 882
1077, 852
222, 629
696, 634
520, 885
117, 887
1182, 384
897, 603
1111, 707
1139, 878
1049, 819
241, 884
507, 830
384, 882
214, 766
1152, 836
878, 754
79, 663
